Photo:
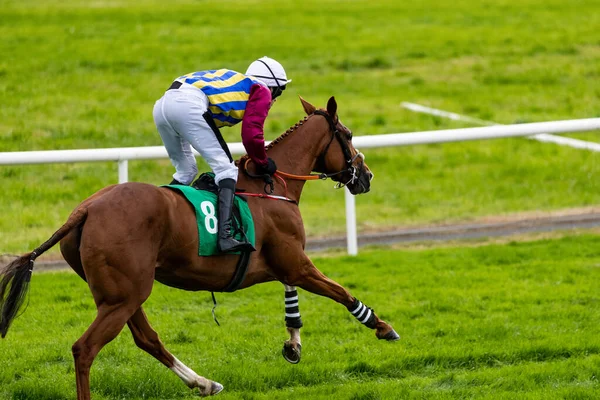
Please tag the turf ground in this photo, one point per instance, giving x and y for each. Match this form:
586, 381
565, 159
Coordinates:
492, 321
504, 321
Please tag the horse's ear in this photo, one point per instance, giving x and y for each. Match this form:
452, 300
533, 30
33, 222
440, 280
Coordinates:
331, 106
308, 108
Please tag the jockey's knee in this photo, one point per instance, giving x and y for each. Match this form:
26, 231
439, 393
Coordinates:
186, 176
229, 173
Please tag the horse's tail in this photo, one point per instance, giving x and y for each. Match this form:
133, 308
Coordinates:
16, 275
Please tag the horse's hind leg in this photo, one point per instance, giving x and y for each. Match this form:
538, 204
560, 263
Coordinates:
305, 275
147, 339
292, 348
107, 325
120, 282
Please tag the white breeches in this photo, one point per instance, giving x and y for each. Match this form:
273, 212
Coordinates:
179, 119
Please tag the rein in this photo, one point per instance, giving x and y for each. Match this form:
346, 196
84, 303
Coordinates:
267, 196
311, 177
280, 175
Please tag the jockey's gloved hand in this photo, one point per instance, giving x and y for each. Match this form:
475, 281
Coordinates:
269, 168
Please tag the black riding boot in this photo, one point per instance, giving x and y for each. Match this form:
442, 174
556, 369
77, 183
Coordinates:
226, 242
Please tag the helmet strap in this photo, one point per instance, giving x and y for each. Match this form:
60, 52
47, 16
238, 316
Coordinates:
279, 89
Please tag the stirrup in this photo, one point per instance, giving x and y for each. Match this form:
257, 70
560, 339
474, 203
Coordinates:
229, 244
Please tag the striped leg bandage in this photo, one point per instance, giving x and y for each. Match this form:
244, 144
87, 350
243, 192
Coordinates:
292, 310
363, 314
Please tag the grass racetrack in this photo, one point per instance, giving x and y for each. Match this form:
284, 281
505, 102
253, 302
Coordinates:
514, 320
496, 321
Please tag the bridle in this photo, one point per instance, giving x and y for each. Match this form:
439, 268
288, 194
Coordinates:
355, 172
352, 170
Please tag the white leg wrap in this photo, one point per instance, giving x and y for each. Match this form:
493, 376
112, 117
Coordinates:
292, 308
363, 314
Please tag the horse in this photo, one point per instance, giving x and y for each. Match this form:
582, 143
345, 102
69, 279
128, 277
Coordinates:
125, 236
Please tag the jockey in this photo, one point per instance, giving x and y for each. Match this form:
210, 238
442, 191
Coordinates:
193, 109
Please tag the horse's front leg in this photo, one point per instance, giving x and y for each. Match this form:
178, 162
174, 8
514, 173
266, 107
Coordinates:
308, 277
292, 347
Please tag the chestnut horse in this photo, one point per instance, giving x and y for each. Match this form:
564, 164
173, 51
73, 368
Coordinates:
125, 236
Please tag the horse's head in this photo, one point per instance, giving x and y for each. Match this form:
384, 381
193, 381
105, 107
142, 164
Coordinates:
339, 159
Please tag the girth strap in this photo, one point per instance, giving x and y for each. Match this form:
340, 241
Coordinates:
240, 273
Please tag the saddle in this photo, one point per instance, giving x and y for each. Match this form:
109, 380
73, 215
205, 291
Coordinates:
205, 190
206, 181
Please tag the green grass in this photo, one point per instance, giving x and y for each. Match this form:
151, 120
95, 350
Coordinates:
495, 322
84, 74
498, 321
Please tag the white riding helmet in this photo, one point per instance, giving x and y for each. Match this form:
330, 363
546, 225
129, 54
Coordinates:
269, 71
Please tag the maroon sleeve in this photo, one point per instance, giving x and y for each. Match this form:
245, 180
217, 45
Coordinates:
256, 112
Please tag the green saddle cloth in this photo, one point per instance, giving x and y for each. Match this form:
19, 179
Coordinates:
204, 203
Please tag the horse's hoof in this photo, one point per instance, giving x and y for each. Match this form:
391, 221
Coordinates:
391, 336
215, 388
291, 353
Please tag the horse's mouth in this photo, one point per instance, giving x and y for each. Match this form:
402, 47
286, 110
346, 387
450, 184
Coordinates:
362, 186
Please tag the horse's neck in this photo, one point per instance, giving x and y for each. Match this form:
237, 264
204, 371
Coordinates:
297, 153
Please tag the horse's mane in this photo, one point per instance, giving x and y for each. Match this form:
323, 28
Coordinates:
279, 139
286, 133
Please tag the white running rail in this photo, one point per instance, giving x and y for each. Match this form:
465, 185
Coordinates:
542, 137
123, 155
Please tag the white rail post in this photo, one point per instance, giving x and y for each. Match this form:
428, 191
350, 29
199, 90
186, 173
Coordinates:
123, 172
352, 242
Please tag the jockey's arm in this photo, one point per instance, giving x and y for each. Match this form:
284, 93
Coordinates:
253, 122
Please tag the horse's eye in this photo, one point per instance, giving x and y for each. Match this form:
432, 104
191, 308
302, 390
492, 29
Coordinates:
349, 135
